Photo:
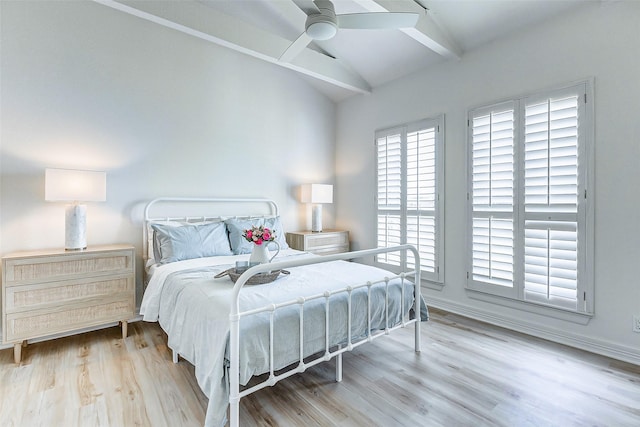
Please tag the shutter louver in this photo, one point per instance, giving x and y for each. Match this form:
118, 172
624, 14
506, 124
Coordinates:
421, 232
493, 161
493, 251
551, 262
421, 170
551, 155
389, 234
389, 172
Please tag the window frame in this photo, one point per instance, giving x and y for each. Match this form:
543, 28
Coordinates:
514, 296
438, 124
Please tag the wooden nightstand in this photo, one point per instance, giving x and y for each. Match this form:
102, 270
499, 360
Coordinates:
323, 243
52, 292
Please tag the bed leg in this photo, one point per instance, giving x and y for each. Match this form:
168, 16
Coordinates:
417, 331
339, 367
174, 356
234, 414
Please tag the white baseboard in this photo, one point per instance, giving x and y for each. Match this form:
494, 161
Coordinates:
615, 351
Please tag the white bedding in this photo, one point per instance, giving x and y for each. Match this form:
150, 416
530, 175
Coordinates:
193, 308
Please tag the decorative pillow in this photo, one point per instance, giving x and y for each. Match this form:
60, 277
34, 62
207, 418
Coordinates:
173, 244
240, 245
235, 228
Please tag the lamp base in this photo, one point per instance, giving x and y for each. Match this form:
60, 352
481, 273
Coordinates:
316, 218
75, 230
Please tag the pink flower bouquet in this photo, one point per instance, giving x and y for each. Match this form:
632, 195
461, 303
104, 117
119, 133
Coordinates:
258, 235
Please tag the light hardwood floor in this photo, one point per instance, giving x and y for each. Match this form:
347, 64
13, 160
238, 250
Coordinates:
468, 374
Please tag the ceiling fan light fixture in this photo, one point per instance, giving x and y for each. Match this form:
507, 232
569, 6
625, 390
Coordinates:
322, 23
322, 29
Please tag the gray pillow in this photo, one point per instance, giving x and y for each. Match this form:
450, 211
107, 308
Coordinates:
173, 244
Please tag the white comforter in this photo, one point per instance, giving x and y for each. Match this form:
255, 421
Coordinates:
193, 308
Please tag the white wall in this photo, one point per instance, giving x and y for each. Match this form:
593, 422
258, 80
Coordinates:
164, 114
600, 41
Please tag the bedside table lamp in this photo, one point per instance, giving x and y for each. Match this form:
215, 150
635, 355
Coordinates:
317, 194
75, 186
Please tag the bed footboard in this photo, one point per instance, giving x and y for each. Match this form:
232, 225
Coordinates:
331, 349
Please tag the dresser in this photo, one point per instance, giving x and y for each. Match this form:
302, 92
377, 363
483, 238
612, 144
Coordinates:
55, 291
325, 242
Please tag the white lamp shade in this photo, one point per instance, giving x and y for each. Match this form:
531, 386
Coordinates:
75, 185
316, 193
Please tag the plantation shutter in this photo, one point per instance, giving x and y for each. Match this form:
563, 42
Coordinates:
530, 224
421, 195
389, 227
492, 195
551, 165
407, 194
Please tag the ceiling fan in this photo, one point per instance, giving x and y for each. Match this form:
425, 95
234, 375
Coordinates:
323, 23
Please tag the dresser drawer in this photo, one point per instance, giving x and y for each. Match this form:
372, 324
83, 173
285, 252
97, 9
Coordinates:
34, 296
315, 242
323, 243
39, 323
66, 267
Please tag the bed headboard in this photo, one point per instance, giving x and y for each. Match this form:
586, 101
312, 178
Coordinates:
188, 209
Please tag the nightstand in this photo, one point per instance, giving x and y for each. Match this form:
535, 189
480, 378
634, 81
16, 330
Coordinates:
56, 291
322, 243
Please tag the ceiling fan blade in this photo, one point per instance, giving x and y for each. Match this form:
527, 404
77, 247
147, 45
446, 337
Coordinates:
377, 20
307, 6
296, 47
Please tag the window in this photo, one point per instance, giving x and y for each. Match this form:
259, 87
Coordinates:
409, 202
530, 226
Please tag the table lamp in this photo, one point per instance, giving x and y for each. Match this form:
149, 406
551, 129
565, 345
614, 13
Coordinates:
75, 186
317, 194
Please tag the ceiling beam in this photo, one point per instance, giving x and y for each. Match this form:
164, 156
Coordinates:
426, 31
208, 24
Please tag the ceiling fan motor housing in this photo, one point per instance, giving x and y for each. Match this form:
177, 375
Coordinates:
323, 25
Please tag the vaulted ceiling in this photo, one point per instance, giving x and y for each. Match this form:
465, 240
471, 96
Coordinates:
354, 60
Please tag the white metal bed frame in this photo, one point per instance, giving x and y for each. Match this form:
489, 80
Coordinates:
331, 350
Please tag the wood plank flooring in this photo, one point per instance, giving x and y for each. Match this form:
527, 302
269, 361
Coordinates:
468, 374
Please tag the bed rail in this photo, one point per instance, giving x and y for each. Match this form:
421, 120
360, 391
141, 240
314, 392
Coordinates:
330, 351
206, 200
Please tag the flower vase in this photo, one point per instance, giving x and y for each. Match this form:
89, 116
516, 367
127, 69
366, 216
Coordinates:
260, 253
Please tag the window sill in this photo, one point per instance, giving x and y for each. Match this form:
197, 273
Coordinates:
556, 313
